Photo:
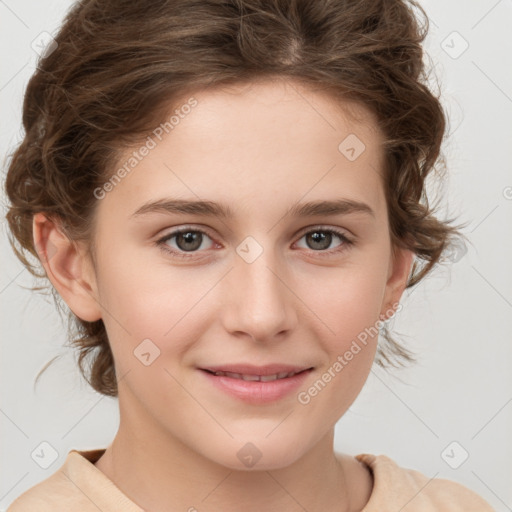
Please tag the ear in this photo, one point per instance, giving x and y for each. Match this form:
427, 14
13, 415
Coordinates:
400, 266
68, 267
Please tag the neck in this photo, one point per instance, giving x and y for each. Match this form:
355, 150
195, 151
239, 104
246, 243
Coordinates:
160, 473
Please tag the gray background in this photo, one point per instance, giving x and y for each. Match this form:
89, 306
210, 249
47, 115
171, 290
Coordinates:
456, 401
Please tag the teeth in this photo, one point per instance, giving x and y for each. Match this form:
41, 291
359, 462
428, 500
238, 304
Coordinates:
261, 378
266, 378
250, 377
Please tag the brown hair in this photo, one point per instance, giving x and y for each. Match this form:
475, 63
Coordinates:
117, 66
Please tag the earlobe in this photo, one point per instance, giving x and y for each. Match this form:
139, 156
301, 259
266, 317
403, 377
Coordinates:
399, 271
68, 268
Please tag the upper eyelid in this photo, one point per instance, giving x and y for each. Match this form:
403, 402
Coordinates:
322, 227
183, 229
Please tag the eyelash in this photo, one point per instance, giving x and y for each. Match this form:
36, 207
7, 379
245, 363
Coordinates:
347, 243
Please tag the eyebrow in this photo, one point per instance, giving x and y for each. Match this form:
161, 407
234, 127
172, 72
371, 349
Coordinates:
210, 208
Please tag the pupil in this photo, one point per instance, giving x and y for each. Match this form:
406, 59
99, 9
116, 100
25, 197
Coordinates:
321, 238
189, 237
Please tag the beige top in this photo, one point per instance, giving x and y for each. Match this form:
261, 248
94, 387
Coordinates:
79, 485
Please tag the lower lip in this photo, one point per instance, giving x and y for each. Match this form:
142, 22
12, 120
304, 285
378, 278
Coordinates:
257, 392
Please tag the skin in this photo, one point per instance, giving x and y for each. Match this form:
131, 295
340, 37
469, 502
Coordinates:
259, 148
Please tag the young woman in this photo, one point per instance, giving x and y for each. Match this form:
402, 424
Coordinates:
229, 196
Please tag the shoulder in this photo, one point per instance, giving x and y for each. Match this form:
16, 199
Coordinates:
67, 488
51, 494
411, 490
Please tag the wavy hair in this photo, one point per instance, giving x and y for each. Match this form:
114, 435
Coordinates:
114, 71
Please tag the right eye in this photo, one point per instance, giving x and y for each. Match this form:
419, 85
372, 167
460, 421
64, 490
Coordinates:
186, 240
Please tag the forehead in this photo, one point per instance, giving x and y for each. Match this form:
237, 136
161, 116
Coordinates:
252, 142
270, 104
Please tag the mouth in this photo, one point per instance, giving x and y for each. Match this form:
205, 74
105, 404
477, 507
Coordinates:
257, 385
256, 377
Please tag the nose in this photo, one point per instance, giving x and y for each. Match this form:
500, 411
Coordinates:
258, 300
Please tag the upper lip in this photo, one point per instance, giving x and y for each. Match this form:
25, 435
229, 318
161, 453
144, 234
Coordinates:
249, 369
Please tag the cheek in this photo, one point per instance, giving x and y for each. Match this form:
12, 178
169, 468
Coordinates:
346, 300
158, 303
349, 313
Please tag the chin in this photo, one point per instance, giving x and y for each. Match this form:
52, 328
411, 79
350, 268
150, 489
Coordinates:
260, 454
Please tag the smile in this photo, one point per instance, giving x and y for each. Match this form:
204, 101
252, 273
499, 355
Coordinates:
261, 378
255, 388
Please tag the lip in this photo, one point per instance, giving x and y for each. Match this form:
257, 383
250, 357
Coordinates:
256, 392
250, 369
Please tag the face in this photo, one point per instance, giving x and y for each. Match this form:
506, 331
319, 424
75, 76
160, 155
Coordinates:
271, 282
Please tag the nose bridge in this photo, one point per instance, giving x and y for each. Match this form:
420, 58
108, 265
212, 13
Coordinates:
258, 302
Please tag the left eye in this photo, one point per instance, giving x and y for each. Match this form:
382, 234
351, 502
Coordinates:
320, 239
